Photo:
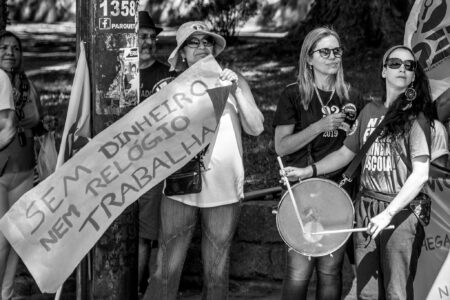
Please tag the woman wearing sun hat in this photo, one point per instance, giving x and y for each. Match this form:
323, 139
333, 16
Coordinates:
218, 203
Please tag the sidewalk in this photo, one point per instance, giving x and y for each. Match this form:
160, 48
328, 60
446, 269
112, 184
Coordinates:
275, 295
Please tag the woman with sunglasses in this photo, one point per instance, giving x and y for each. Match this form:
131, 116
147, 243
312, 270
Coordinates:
218, 203
17, 159
391, 186
310, 122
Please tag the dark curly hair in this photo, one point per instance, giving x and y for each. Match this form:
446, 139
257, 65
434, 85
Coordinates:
400, 118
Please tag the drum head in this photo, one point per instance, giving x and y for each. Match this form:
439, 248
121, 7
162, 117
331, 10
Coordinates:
322, 205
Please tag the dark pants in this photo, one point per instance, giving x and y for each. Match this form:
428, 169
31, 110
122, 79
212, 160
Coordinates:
386, 265
299, 271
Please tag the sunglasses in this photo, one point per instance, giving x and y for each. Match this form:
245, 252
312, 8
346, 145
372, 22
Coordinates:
395, 63
144, 37
195, 43
325, 52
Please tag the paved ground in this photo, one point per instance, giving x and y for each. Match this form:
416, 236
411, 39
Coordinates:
274, 295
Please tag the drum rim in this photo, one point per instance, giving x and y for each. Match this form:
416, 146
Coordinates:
278, 216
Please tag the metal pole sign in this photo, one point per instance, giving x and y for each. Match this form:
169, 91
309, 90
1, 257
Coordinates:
111, 34
116, 68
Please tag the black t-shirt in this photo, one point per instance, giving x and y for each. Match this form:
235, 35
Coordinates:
290, 111
151, 76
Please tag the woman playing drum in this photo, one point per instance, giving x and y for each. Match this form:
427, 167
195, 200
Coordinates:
310, 123
387, 260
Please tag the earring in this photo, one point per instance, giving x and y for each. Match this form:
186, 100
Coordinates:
410, 93
183, 59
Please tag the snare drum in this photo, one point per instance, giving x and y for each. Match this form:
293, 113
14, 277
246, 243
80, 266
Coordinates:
322, 205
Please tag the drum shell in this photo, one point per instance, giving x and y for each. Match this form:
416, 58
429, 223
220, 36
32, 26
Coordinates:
323, 205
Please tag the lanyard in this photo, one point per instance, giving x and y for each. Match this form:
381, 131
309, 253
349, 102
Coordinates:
320, 98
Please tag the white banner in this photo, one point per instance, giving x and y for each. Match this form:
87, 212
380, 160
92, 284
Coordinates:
55, 224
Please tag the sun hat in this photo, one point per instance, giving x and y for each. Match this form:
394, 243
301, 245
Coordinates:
184, 32
392, 49
145, 21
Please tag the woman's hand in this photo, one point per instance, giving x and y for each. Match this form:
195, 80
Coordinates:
331, 122
229, 75
378, 223
294, 174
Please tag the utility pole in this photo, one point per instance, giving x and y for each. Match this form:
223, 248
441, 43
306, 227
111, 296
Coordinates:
109, 30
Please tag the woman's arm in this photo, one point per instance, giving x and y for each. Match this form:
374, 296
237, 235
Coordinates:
332, 162
250, 116
7, 127
412, 187
287, 142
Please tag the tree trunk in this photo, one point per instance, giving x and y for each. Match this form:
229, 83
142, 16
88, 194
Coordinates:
3, 15
359, 23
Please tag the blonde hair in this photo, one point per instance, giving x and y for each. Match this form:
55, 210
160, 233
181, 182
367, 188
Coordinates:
306, 74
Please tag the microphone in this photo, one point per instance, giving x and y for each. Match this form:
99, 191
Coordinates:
350, 112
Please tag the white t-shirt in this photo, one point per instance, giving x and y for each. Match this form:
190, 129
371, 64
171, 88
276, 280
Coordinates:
6, 94
439, 140
223, 180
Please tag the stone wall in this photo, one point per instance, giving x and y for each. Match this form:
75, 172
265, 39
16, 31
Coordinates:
257, 255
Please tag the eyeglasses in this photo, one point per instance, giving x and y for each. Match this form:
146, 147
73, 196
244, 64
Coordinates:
325, 52
144, 37
195, 43
395, 63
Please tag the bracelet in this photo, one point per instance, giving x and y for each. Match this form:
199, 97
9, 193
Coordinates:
314, 168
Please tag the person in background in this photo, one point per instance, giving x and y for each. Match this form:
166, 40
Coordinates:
7, 114
311, 122
18, 156
151, 71
218, 203
394, 171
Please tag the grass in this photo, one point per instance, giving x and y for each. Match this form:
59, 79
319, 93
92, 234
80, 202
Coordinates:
268, 69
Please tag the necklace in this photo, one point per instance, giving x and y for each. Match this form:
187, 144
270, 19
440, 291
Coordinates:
320, 98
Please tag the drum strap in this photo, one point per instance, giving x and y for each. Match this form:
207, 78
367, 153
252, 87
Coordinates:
351, 169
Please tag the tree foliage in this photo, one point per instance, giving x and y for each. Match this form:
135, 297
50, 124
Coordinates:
359, 23
47, 11
226, 16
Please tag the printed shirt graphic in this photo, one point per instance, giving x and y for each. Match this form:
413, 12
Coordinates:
150, 76
382, 169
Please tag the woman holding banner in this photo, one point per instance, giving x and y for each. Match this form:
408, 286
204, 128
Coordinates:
18, 159
394, 171
218, 202
310, 122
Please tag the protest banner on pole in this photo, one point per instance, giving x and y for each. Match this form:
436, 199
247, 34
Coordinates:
427, 33
77, 128
436, 245
55, 224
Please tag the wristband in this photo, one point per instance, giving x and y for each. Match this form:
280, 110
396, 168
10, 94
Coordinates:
314, 168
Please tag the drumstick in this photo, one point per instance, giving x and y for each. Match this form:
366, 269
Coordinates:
348, 230
286, 180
